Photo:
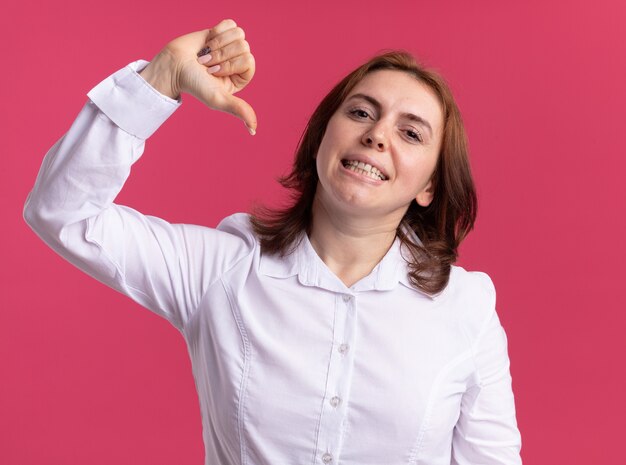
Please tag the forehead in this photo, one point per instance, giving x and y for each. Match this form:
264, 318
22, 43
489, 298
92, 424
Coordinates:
398, 91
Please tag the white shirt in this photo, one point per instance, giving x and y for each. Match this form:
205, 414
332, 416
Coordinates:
292, 367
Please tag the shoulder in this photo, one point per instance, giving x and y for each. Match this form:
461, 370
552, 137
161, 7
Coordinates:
476, 283
226, 245
238, 225
471, 295
237, 231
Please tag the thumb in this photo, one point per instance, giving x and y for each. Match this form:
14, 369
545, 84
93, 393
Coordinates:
241, 109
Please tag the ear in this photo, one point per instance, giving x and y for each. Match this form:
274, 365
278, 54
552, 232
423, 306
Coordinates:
426, 195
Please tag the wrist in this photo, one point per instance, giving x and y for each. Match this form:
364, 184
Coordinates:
158, 74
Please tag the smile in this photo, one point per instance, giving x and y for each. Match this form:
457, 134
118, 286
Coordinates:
364, 169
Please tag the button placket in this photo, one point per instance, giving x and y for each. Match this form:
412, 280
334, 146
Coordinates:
338, 380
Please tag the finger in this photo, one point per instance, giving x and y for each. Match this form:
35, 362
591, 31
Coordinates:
240, 69
220, 28
239, 108
228, 52
225, 38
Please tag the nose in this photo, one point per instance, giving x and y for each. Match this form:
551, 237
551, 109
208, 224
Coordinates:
375, 137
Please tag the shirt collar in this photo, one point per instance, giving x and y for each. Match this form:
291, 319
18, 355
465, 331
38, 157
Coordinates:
304, 262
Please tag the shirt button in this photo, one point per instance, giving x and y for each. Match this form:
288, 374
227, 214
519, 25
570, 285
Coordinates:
346, 298
335, 401
343, 348
327, 458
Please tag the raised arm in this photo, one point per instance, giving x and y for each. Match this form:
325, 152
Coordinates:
165, 267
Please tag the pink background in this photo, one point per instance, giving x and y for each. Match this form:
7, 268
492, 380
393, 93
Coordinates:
87, 376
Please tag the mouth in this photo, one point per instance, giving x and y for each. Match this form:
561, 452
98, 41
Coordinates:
364, 168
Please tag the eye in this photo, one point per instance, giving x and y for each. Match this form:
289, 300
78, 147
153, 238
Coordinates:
360, 113
414, 135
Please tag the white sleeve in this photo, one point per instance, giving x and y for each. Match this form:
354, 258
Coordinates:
165, 267
486, 432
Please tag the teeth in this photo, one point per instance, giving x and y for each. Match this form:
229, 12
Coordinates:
365, 168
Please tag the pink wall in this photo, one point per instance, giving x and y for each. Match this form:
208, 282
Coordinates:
87, 376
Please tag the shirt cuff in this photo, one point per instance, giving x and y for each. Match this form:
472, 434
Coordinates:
131, 103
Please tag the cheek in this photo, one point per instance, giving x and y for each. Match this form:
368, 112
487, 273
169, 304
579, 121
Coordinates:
322, 166
333, 136
421, 172
325, 153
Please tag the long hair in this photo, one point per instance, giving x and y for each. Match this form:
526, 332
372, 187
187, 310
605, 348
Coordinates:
441, 226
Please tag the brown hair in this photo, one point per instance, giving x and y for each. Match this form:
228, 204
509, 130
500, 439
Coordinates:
441, 226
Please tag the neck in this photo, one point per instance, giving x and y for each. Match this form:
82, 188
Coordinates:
351, 247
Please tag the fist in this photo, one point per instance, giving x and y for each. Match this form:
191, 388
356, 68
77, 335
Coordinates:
212, 65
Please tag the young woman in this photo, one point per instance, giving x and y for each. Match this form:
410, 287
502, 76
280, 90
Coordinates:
335, 331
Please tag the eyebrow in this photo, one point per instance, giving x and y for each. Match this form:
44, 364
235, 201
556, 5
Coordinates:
410, 116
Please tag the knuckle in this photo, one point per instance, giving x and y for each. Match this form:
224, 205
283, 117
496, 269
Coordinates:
230, 22
240, 33
215, 45
217, 54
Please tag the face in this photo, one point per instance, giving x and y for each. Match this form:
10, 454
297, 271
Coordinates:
380, 148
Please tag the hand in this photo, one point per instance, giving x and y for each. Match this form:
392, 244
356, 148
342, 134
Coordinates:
177, 68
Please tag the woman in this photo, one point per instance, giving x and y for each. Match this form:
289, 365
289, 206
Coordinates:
335, 331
